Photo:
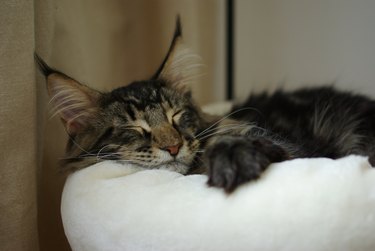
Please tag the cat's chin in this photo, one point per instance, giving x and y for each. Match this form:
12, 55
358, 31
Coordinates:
175, 166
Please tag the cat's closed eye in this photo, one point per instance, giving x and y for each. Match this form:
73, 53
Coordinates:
176, 116
138, 129
130, 134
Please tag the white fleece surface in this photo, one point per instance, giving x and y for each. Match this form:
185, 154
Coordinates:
301, 205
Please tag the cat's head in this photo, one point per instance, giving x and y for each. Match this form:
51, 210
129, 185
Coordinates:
151, 123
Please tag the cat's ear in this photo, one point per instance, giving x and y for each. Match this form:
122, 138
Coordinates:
75, 103
181, 65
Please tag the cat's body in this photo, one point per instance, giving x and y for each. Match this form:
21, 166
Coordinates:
156, 124
320, 122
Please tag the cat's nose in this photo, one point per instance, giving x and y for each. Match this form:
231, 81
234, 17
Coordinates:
173, 150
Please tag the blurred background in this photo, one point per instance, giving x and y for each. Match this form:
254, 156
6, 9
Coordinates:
297, 43
106, 44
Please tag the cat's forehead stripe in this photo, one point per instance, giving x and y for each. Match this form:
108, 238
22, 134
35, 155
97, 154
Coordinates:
143, 124
131, 112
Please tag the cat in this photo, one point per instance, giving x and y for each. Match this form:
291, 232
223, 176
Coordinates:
156, 123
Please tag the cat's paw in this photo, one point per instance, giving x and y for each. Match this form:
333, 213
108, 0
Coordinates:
234, 160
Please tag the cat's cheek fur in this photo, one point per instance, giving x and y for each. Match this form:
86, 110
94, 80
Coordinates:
176, 167
182, 162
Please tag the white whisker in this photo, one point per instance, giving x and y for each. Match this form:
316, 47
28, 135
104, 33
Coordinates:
221, 131
226, 126
199, 151
99, 152
77, 145
227, 116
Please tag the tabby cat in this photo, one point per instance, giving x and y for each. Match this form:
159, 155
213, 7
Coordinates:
155, 123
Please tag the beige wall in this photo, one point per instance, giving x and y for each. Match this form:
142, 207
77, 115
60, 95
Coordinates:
18, 126
304, 42
106, 44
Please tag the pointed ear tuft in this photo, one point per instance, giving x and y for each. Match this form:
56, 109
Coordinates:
43, 67
181, 65
178, 28
75, 103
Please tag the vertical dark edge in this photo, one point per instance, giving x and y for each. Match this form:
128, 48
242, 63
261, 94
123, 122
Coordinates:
230, 48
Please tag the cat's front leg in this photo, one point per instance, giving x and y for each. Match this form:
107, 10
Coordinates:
234, 160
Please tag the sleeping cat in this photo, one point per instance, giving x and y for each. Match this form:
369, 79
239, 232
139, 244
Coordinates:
155, 123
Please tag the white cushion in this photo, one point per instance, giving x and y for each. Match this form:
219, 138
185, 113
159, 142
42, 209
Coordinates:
301, 205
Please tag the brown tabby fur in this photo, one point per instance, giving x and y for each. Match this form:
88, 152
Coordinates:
156, 124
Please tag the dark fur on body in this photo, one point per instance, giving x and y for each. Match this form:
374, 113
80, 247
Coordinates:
156, 124
315, 122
